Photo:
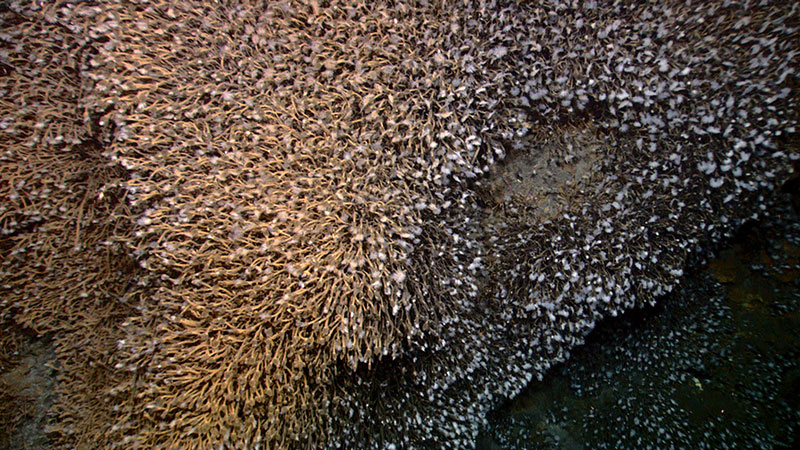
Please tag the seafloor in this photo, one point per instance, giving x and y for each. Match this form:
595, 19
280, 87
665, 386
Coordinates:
714, 365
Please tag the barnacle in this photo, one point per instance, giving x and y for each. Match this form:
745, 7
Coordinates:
252, 215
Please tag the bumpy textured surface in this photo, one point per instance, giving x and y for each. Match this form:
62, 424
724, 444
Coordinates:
321, 200
713, 365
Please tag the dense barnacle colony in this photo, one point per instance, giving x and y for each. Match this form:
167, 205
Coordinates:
675, 374
343, 224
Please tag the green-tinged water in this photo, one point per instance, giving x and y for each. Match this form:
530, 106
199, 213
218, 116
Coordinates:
716, 364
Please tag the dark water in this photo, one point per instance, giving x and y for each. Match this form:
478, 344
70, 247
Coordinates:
716, 364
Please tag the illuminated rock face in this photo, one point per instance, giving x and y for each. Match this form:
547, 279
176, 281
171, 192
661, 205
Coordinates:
331, 249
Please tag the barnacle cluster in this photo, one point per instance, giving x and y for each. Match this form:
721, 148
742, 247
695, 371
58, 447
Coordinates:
60, 203
713, 365
271, 224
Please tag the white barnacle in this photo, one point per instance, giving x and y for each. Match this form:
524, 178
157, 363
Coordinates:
399, 276
707, 167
